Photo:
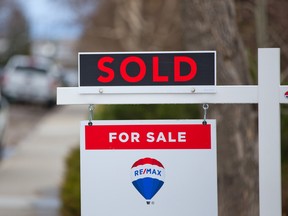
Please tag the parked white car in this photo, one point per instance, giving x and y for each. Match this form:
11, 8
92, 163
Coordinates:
31, 79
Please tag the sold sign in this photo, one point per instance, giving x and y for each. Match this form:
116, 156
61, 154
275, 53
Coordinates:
147, 69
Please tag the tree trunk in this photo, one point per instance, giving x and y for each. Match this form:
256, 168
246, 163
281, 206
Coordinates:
211, 25
207, 25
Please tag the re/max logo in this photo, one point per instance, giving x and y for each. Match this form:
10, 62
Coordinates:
147, 172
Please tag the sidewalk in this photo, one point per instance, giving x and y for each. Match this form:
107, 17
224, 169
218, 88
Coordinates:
31, 176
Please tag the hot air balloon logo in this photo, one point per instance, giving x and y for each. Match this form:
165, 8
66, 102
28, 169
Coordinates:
147, 175
286, 94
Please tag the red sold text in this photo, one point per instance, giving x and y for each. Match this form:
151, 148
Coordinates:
108, 74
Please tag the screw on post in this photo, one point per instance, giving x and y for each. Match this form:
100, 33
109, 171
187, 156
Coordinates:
205, 108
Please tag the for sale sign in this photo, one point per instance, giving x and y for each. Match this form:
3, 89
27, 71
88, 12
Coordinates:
147, 69
149, 168
155, 136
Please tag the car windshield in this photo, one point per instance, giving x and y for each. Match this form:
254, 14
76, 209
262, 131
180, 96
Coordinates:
29, 69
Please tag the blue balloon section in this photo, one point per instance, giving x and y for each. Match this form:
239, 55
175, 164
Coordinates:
148, 187
147, 176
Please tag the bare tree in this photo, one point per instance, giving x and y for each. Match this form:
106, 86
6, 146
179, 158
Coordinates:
153, 25
14, 28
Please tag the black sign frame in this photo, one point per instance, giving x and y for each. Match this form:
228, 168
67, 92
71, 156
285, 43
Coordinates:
148, 69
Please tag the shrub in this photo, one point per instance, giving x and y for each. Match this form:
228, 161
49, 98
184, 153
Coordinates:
70, 191
167, 111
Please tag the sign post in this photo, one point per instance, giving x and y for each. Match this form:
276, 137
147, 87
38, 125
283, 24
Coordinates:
268, 94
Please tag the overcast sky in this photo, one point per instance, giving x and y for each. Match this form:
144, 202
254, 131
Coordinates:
49, 19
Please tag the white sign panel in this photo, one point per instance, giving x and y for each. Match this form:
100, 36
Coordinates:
163, 167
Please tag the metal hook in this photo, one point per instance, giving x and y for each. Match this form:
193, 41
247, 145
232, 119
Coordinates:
91, 109
205, 107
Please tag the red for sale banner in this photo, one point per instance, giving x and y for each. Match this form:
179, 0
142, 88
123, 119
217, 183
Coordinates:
148, 136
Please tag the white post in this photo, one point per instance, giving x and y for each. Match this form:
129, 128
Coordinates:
269, 132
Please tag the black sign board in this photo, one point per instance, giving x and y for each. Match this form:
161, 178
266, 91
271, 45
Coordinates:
147, 69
